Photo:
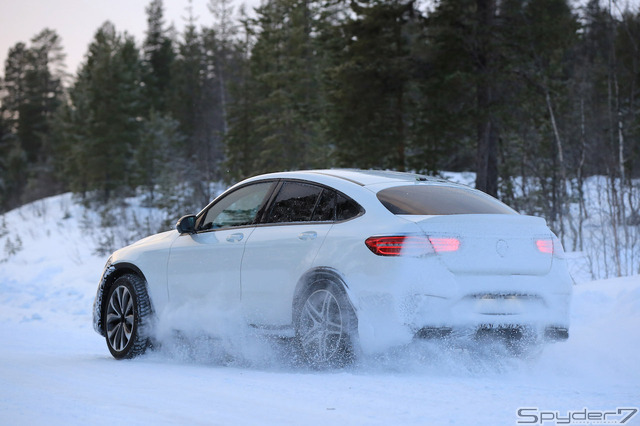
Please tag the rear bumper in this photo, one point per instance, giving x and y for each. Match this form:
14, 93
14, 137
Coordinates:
491, 309
445, 304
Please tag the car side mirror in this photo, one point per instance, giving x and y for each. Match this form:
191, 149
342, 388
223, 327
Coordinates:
187, 224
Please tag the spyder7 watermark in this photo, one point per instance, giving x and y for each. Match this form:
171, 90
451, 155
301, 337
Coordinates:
535, 416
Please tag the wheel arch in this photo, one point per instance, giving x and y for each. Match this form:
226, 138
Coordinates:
312, 276
111, 274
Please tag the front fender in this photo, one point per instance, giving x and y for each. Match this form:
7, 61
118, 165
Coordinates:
112, 271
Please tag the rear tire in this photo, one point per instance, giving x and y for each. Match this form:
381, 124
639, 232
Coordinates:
326, 326
127, 317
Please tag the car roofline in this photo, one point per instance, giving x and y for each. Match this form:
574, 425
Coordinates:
361, 177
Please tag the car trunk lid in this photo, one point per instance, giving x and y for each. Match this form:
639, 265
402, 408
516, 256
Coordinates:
500, 244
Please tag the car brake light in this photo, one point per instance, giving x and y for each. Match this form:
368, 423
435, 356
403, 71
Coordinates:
400, 245
545, 246
411, 245
444, 244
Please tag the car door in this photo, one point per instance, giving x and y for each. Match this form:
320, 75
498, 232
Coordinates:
282, 248
204, 267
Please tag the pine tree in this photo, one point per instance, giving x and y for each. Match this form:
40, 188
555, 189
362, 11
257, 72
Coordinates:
191, 105
284, 78
158, 57
48, 77
627, 54
223, 34
155, 157
240, 139
105, 115
368, 80
12, 166
14, 162
33, 91
463, 87
541, 35
187, 74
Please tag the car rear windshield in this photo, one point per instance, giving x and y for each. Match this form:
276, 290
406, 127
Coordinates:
439, 200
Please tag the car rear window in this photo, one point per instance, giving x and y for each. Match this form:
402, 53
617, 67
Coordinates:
439, 200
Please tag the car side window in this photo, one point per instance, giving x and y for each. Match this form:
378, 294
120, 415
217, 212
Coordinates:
346, 208
295, 202
333, 206
238, 208
326, 209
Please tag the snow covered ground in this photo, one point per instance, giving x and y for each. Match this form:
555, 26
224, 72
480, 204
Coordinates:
54, 369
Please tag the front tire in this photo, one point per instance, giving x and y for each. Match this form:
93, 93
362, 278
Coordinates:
326, 326
127, 317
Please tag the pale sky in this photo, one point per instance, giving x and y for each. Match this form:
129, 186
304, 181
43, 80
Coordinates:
76, 21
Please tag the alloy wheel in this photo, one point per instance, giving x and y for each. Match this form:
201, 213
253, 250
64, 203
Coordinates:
321, 326
120, 318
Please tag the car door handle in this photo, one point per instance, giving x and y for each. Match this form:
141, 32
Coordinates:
308, 235
234, 238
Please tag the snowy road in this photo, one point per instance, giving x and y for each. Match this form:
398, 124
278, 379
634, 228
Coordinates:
64, 375
54, 369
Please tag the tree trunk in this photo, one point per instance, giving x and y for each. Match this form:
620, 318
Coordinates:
487, 134
559, 202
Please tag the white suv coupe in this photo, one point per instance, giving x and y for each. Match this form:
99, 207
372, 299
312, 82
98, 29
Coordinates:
344, 261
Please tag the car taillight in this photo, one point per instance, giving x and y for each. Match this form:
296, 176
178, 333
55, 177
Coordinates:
545, 246
400, 245
444, 244
411, 245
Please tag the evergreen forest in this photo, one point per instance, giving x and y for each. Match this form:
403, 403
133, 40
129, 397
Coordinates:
533, 96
